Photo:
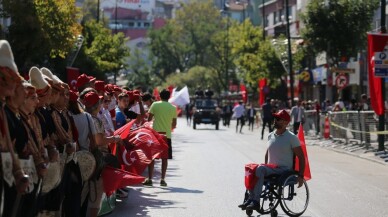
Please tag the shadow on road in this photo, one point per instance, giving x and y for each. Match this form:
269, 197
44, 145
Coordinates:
140, 203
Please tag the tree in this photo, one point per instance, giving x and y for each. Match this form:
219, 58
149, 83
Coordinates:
193, 78
338, 28
140, 70
41, 32
255, 57
186, 41
102, 52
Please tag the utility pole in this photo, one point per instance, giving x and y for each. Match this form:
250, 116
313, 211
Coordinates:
382, 117
98, 11
116, 18
263, 12
290, 54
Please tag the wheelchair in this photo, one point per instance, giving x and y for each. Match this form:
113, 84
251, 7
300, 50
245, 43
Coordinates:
282, 189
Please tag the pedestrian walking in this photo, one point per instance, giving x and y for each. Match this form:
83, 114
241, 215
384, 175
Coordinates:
297, 114
251, 114
267, 116
164, 116
238, 113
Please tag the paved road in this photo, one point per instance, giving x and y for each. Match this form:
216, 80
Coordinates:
205, 179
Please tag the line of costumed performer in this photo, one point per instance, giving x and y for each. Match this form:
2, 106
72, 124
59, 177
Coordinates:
55, 158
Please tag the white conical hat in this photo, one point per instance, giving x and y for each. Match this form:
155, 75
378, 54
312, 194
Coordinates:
56, 79
46, 72
6, 56
36, 79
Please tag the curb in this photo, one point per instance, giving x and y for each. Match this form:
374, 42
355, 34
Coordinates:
348, 152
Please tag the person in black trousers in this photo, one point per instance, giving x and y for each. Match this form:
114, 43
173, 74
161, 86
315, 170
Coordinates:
251, 114
267, 116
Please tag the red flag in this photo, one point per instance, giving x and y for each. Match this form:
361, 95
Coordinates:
307, 173
145, 139
376, 43
134, 161
250, 174
125, 130
244, 92
156, 94
262, 85
114, 179
170, 89
72, 75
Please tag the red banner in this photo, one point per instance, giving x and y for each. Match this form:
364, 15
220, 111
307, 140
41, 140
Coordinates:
307, 173
376, 43
262, 93
244, 93
72, 75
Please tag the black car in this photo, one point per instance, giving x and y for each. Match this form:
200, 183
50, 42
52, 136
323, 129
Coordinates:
206, 111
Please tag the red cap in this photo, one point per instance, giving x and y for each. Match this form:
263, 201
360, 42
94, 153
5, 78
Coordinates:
109, 88
99, 85
91, 78
117, 88
92, 99
283, 114
73, 96
82, 80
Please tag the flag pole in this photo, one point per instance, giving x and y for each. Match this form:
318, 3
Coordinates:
382, 116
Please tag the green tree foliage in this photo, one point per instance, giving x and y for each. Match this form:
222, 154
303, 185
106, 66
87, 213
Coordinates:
186, 41
140, 70
340, 27
197, 76
102, 52
41, 30
254, 57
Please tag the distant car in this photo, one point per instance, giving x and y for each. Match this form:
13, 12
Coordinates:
206, 111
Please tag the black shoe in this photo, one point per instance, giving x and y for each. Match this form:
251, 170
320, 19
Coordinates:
244, 205
254, 205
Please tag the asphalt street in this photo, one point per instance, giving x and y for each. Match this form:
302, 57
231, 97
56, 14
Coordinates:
206, 179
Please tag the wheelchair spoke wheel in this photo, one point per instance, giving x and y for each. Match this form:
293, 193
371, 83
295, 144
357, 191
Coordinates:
294, 200
269, 202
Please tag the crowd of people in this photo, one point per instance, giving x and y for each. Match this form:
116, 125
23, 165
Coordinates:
264, 115
53, 138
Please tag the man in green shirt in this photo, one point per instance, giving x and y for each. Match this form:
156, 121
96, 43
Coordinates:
164, 115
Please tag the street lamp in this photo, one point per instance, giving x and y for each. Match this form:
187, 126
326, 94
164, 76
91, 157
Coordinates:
226, 46
289, 54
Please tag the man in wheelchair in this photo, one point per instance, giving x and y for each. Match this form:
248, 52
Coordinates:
283, 145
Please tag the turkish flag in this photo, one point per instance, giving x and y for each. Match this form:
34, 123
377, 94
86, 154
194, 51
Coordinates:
244, 92
114, 179
125, 130
307, 173
147, 139
250, 174
133, 160
376, 43
72, 75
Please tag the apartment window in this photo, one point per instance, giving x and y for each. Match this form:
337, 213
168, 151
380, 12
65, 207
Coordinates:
131, 24
146, 25
275, 18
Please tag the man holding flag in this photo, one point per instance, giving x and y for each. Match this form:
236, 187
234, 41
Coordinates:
279, 158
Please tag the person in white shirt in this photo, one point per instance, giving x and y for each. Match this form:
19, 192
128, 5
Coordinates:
238, 112
297, 115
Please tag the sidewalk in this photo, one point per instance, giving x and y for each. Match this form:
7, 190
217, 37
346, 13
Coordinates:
369, 153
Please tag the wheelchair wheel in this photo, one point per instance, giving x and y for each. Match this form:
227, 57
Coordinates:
269, 200
294, 200
249, 212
